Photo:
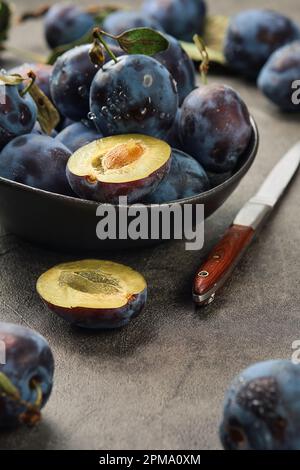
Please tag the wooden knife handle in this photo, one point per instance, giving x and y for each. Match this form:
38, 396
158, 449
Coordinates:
220, 263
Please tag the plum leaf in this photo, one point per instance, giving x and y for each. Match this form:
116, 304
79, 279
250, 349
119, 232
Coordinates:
142, 41
8, 388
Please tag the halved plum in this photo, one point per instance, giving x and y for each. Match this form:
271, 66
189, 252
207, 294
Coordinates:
93, 294
129, 165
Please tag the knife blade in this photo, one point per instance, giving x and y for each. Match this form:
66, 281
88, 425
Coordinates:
224, 257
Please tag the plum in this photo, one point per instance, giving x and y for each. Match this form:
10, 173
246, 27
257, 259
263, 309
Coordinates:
42, 72
93, 294
277, 77
172, 136
186, 178
127, 165
136, 94
71, 80
253, 35
77, 135
38, 130
180, 18
215, 127
18, 114
180, 66
262, 408
28, 369
120, 21
38, 161
65, 23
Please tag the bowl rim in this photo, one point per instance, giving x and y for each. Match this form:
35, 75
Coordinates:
189, 200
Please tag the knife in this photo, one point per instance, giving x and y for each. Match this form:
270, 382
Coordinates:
226, 254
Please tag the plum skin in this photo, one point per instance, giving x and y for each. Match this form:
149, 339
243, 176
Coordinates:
65, 24
180, 66
215, 127
279, 73
262, 410
180, 18
17, 115
77, 135
70, 82
135, 95
120, 21
38, 161
111, 192
253, 35
106, 319
28, 358
186, 178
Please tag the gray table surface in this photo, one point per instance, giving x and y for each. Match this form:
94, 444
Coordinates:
160, 382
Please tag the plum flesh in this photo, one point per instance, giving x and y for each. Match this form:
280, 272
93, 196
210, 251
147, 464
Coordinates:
29, 365
94, 294
128, 165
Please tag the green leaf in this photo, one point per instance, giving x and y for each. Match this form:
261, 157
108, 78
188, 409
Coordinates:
14, 79
8, 388
48, 116
58, 51
213, 36
142, 41
5, 20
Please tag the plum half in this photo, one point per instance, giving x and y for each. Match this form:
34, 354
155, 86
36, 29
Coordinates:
94, 294
130, 165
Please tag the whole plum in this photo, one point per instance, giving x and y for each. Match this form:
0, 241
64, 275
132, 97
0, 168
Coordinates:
186, 178
120, 21
18, 114
180, 18
262, 408
38, 161
136, 94
71, 80
42, 72
180, 66
215, 127
65, 23
77, 135
253, 35
29, 366
280, 76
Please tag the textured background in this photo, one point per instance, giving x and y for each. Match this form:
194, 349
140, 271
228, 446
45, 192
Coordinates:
160, 382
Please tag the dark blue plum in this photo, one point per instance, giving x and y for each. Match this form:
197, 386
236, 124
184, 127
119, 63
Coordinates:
17, 114
38, 161
215, 127
71, 80
120, 21
38, 130
278, 76
135, 95
66, 23
180, 18
186, 178
42, 71
29, 366
180, 66
262, 408
253, 35
77, 135
172, 136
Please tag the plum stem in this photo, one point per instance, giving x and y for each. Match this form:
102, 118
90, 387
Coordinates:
32, 77
204, 67
97, 34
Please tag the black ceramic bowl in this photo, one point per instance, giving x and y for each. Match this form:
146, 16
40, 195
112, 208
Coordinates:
67, 223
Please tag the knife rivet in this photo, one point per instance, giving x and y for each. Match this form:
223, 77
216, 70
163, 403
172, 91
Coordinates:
203, 274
